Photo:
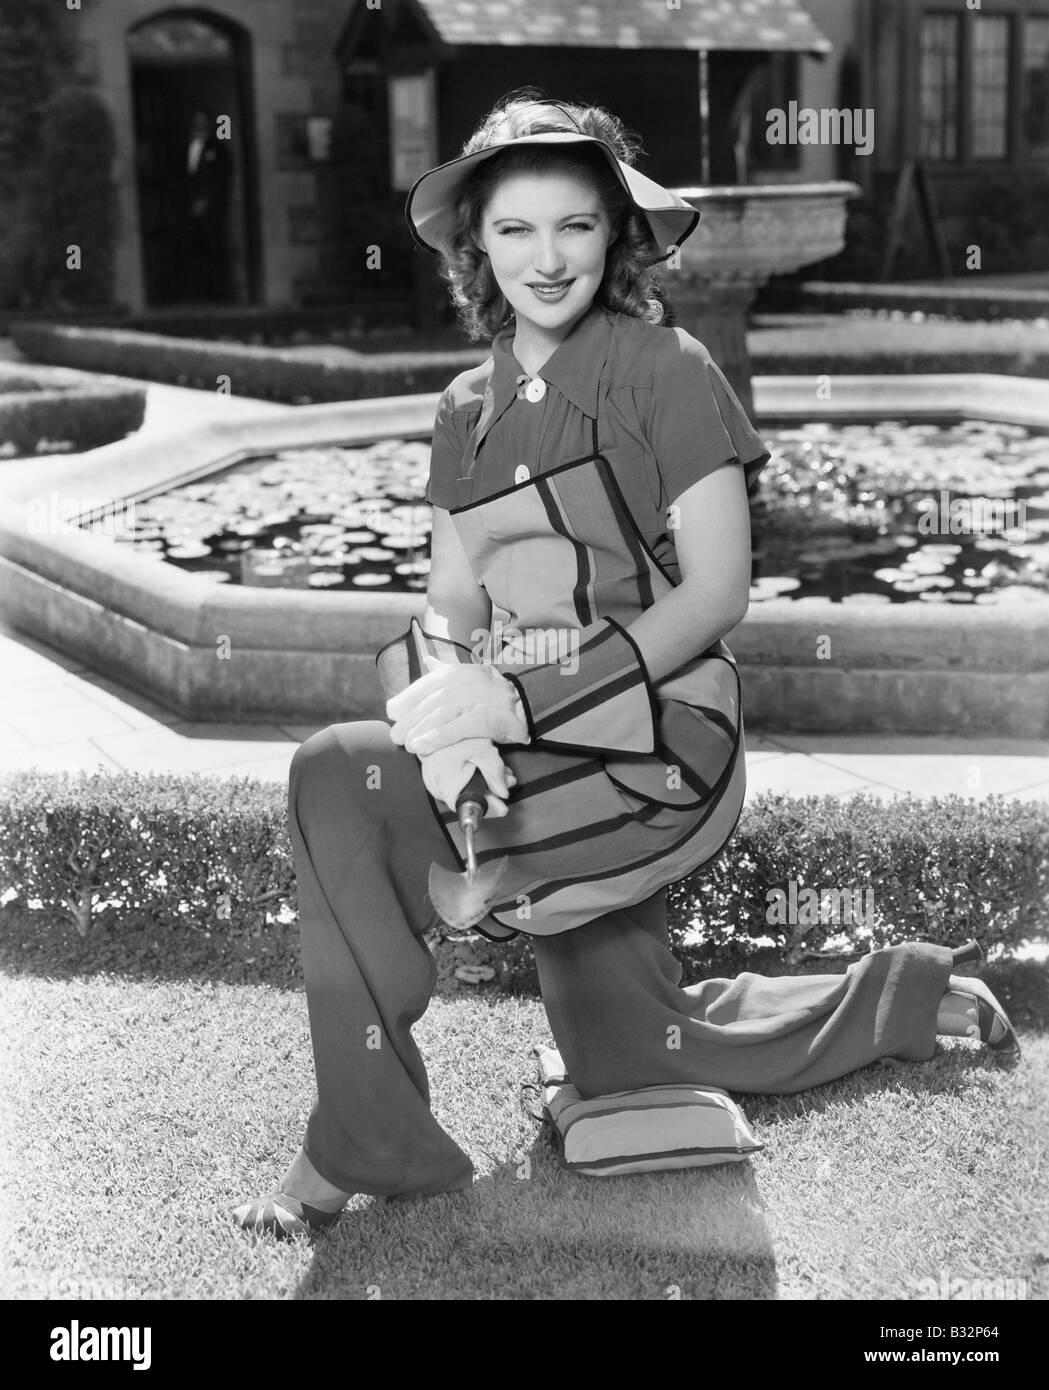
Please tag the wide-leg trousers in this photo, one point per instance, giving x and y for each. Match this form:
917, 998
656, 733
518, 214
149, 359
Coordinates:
364, 835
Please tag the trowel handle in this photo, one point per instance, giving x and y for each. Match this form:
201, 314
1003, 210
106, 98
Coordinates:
472, 802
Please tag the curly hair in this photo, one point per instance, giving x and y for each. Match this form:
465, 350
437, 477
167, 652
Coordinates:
630, 284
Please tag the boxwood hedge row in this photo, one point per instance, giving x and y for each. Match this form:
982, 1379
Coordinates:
274, 374
210, 856
34, 418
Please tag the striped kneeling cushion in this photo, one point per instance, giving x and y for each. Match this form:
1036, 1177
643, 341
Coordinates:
639, 1131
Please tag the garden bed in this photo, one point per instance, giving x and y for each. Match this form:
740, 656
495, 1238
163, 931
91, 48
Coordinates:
893, 345
294, 376
53, 410
977, 301
344, 367
385, 312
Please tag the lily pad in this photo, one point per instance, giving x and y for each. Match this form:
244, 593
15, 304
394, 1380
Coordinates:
772, 585
188, 551
407, 542
370, 552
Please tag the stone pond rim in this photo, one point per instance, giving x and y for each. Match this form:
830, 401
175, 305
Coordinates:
307, 657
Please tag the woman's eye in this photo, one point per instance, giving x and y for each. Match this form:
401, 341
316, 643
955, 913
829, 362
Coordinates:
580, 226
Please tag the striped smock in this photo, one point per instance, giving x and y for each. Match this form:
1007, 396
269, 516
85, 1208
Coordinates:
560, 494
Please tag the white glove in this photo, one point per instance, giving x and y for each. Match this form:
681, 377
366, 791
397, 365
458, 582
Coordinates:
447, 770
455, 701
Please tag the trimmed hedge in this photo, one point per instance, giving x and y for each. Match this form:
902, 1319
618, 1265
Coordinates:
847, 345
204, 856
266, 324
81, 410
978, 303
272, 374
877, 344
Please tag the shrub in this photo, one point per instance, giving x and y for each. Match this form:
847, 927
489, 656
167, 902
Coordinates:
82, 420
296, 377
866, 235
201, 855
77, 200
188, 851
960, 302
910, 362
35, 57
943, 869
80, 410
258, 372
849, 344
18, 244
1006, 218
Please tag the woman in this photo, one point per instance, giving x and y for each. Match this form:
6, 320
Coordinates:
591, 543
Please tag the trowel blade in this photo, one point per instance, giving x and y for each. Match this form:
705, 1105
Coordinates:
460, 901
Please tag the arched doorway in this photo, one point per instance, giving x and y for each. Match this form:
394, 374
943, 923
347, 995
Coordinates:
195, 158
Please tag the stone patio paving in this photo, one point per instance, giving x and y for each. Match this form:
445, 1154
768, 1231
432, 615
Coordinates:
57, 714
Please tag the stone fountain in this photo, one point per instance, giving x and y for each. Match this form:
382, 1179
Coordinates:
747, 233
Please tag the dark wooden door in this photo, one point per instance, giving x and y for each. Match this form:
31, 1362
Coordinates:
165, 98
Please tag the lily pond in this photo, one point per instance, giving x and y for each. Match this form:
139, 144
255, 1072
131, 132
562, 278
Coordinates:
893, 512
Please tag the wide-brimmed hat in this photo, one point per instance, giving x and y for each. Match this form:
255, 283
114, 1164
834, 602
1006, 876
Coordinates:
431, 210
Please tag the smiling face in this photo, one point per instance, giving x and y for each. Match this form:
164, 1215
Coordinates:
546, 230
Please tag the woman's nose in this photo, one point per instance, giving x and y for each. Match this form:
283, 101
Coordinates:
549, 258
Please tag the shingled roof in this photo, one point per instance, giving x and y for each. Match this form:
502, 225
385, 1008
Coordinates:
742, 24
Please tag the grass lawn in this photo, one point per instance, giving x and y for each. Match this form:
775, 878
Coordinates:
142, 1110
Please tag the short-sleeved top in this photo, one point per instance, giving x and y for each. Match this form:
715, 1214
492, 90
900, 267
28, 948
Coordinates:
666, 416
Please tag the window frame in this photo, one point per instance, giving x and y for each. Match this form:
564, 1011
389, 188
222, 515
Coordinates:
1016, 156
956, 19
1040, 16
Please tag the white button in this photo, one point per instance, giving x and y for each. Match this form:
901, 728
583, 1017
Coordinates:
536, 389
521, 474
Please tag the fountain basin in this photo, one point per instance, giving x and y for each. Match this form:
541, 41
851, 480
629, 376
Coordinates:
251, 654
748, 232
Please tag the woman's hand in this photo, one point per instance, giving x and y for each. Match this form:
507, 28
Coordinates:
456, 701
448, 770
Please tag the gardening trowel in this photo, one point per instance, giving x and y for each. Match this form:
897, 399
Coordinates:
462, 900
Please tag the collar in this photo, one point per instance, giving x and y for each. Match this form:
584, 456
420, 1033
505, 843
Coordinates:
574, 366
